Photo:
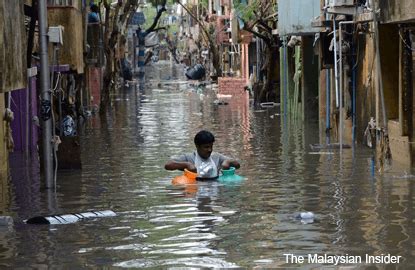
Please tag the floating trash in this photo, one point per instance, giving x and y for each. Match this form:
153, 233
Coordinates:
69, 218
321, 153
197, 72
328, 146
268, 104
219, 96
306, 217
220, 102
404, 176
68, 126
6, 221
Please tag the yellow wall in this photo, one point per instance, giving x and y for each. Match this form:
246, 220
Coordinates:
366, 92
12, 46
4, 156
72, 50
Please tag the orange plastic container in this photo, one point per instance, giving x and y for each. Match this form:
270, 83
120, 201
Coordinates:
188, 177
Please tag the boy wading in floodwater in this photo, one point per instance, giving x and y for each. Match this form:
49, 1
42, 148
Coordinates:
203, 161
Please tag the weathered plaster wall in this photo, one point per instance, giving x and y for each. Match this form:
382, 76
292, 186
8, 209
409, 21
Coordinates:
366, 76
13, 68
71, 52
394, 11
365, 96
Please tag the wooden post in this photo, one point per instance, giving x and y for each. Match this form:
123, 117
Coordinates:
283, 79
401, 101
296, 109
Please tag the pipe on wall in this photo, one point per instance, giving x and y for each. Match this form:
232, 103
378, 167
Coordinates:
341, 82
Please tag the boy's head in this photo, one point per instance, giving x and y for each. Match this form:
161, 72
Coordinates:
94, 8
204, 143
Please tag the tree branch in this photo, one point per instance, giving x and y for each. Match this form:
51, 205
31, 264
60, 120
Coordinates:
156, 19
257, 34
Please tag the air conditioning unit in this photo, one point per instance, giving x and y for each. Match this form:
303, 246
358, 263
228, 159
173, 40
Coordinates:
341, 3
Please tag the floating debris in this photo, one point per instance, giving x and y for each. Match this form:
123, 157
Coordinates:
220, 102
268, 104
6, 221
305, 217
321, 153
328, 146
219, 96
69, 218
404, 176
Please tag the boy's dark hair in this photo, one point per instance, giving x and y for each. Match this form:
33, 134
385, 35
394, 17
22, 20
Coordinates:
204, 137
94, 8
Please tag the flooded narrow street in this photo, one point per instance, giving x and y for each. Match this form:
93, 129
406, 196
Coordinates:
250, 223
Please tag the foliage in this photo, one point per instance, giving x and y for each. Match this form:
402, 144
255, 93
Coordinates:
204, 3
246, 11
149, 12
259, 18
255, 9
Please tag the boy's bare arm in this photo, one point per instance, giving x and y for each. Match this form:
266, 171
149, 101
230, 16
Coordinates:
172, 165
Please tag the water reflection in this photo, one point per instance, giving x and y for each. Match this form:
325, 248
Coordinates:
246, 224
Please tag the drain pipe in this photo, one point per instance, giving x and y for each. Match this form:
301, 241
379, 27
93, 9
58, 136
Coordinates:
285, 78
46, 107
341, 82
336, 74
328, 105
379, 70
328, 90
354, 94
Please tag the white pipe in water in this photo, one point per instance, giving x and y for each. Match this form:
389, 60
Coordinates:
336, 74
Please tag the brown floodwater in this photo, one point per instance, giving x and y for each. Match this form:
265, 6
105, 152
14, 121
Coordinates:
249, 223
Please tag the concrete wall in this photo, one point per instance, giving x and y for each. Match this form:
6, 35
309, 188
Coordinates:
368, 100
390, 61
245, 62
366, 75
310, 79
232, 86
394, 11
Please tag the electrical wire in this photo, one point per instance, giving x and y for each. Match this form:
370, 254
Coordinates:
55, 139
404, 42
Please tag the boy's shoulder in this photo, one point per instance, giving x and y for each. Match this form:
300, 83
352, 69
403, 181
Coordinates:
185, 157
